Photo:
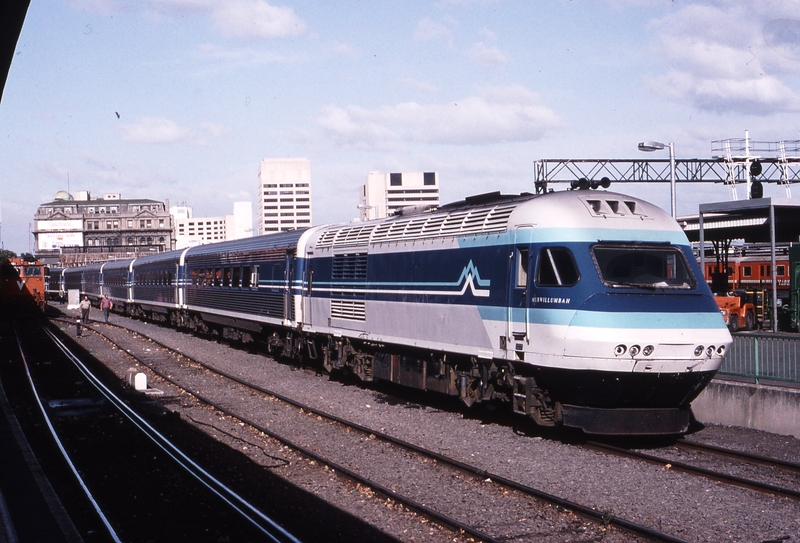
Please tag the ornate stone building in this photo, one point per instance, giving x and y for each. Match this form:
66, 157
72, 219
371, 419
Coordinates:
77, 230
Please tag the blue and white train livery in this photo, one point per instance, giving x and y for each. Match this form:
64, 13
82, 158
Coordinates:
579, 308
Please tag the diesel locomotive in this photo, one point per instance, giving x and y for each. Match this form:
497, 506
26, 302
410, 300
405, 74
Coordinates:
22, 285
579, 308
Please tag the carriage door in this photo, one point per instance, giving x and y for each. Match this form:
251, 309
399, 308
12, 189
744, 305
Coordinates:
519, 303
288, 299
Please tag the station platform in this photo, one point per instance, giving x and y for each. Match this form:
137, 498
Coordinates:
30, 510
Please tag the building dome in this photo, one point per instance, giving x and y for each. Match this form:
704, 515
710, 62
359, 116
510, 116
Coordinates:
63, 195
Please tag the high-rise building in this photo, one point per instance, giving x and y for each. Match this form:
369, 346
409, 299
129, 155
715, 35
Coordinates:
191, 230
284, 194
385, 193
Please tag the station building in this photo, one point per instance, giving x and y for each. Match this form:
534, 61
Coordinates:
74, 230
384, 193
284, 194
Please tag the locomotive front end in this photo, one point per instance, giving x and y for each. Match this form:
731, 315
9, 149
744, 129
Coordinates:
626, 336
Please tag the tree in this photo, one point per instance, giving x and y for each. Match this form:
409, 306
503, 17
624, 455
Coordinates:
5, 255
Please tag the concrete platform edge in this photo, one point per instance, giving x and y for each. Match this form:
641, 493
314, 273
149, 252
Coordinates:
760, 407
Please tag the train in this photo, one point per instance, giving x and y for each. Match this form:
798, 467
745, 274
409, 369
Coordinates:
22, 284
578, 308
742, 284
751, 273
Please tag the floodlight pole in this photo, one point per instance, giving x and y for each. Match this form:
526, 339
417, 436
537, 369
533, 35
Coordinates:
656, 146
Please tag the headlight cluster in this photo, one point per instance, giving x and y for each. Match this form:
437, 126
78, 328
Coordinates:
710, 350
648, 350
634, 350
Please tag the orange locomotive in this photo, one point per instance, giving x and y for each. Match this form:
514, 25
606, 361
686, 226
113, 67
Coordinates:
23, 284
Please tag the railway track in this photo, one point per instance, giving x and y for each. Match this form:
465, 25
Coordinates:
738, 468
142, 485
316, 421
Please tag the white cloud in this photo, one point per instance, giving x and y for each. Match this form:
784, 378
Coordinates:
496, 115
158, 130
256, 19
487, 34
488, 57
428, 30
343, 49
234, 18
783, 37
756, 96
419, 85
729, 57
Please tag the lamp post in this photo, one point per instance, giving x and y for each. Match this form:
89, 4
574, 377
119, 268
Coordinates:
657, 146
364, 208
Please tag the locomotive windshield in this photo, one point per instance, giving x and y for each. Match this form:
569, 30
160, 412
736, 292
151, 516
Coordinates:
644, 266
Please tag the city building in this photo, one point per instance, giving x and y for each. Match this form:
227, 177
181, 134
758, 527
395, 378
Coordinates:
78, 229
191, 231
284, 194
385, 193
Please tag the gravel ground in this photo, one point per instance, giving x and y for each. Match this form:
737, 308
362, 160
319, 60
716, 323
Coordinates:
685, 506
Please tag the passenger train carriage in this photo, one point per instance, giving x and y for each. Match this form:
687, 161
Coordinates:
579, 308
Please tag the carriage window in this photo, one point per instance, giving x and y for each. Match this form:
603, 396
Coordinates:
556, 268
522, 267
246, 277
643, 266
226, 278
237, 276
217, 277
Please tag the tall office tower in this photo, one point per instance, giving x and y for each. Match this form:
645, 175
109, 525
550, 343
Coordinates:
284, 194
385, 193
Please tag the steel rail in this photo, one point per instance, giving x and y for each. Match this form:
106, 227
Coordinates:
694, 470
110, 529
259, 520
588, 512
440, 518
740, 455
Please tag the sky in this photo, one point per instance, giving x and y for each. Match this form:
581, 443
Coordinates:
180, 100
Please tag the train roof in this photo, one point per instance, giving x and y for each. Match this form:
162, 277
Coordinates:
493, 213
277, 240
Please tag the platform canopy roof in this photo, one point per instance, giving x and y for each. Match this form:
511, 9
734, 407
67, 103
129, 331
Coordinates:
746, 219
758, 220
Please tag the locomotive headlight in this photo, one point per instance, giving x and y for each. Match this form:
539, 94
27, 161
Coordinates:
619, 350
710, 351
699, 350
635, 350
648, 350
721, 350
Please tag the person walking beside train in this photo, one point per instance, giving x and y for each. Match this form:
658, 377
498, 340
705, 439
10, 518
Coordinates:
85, 307
106, 306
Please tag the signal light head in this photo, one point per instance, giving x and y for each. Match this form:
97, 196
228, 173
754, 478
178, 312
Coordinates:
585, 184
